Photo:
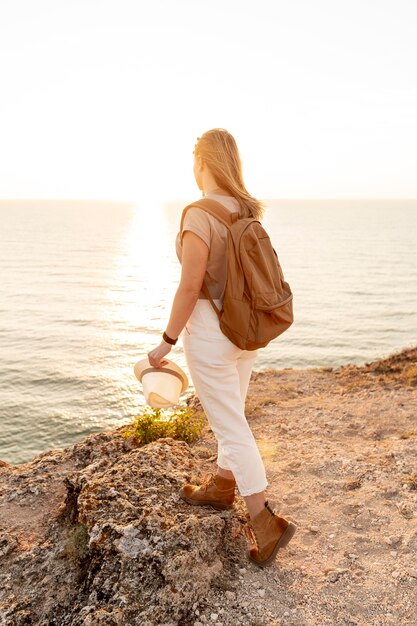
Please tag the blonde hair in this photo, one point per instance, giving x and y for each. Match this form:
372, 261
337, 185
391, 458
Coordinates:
218, 149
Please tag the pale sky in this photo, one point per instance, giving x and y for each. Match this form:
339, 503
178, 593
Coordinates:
104, 99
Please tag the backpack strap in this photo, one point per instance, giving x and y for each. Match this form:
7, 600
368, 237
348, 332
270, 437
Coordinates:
205, 290
214, 208
221, 213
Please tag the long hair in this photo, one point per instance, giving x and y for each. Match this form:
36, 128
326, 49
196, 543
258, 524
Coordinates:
218, 149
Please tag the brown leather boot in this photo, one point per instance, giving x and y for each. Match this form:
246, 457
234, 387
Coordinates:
214, 490
268, 533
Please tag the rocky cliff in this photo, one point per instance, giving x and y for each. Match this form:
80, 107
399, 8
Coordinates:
97, 534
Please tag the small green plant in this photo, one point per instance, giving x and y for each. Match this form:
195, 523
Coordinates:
76, 546
181, 422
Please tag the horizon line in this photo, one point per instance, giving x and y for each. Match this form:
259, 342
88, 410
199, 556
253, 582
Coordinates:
134, 202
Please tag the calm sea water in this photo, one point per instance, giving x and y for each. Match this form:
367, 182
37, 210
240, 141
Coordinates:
86, 291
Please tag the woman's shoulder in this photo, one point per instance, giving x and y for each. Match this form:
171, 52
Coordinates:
195, 211
196, 214
197, 218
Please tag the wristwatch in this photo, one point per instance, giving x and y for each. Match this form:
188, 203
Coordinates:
168, 339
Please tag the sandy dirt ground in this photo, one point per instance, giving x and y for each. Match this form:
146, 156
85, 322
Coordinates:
340, 449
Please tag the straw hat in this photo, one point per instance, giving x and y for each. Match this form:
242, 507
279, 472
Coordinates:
162, 386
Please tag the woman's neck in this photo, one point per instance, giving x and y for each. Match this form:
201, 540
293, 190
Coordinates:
217, 191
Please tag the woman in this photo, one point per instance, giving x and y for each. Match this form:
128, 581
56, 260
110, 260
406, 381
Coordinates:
220, 370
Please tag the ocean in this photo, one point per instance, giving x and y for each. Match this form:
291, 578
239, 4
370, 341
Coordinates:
86, 291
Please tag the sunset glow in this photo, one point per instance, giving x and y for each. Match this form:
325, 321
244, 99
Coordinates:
105, 100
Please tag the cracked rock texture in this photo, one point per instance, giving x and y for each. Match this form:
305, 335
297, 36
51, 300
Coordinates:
97, 534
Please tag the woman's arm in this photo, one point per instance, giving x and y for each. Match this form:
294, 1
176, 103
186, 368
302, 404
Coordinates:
193, 263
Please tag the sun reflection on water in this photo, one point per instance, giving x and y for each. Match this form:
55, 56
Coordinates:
141, 290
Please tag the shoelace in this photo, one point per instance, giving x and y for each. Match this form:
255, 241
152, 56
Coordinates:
250, 534
208, 480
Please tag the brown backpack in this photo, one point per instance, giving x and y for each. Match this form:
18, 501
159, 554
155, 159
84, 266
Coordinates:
258, 302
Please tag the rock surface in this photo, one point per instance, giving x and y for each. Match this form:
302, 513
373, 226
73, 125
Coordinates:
96, 534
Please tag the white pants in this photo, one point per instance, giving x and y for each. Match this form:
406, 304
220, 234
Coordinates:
220, 372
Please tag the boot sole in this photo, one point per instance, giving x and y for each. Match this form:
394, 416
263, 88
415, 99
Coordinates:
219, 506
285, 538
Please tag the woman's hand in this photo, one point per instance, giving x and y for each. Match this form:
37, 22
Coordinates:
156, 356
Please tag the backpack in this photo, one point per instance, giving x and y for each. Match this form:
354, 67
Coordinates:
258, 302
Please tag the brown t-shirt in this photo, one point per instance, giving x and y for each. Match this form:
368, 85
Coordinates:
214, 234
